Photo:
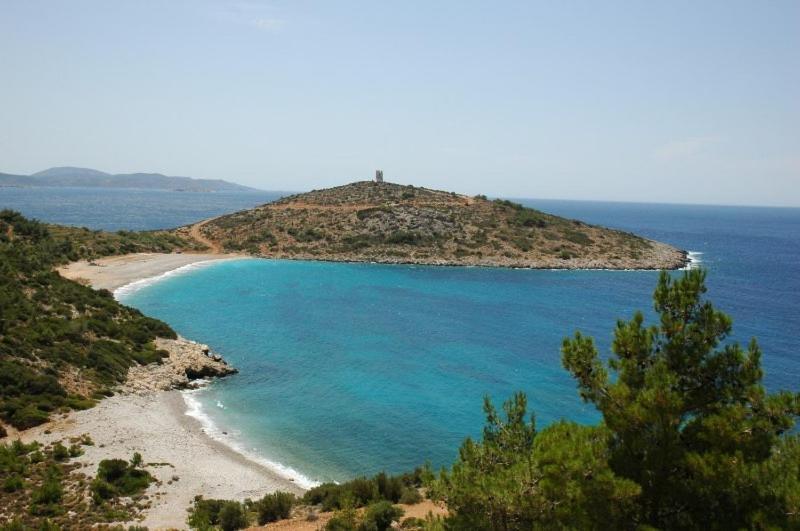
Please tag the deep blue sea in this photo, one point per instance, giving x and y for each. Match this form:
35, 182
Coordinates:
108, 209
354, 368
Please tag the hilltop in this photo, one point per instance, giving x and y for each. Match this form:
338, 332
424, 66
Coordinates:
86, 177
391, 223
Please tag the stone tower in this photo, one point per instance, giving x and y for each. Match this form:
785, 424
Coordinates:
378, 176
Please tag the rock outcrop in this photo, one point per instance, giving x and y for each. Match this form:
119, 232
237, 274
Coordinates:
188, 361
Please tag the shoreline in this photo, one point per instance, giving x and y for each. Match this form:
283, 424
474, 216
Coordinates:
159, 424
115, 272
162, 425
173, 445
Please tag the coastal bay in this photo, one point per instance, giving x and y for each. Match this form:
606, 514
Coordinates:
155, 422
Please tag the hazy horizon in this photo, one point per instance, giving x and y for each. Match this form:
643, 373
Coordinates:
631, 102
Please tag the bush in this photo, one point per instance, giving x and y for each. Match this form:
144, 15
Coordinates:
49, 493
410, 496
232, 516
363, 491
75, 450
379, 516
389, 487
13, 483
112, 469
228, 515
118, 477
275, 506
60, 452
102, 490
27, 417
343, 520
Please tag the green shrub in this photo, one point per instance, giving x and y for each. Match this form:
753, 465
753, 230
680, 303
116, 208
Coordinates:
379, 516
204, 513
112, 470
14, 525
413, 523
27, 417
60, 452
228, 515
50, 492
123, 478
343, 520
75, 450
389, 487
275, 506
64, 323
410, 496
232, 516
102, 490
13, 483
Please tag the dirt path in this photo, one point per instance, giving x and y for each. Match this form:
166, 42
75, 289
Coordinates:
196, 233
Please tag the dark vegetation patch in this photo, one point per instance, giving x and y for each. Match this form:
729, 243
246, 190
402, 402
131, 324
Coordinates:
50, 325
375, 497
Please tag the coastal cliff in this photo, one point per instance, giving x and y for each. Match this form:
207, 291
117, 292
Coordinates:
391, 223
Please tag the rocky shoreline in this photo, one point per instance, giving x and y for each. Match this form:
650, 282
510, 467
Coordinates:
663, 257
188, 362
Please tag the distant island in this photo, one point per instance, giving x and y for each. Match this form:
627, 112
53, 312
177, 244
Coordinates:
67, 176
391, 223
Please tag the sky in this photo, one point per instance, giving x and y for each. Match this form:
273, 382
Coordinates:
680, 101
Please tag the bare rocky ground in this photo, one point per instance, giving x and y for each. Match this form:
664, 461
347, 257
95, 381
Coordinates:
188, 361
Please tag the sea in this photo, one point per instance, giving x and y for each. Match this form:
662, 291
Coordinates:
350, 369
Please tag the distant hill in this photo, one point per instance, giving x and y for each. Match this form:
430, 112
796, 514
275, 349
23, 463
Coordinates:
87, 177
391, 223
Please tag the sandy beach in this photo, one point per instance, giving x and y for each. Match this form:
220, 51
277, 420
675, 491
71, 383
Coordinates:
155, 424
116, 271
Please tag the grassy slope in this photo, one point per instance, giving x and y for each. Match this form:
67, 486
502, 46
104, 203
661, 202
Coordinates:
386, 222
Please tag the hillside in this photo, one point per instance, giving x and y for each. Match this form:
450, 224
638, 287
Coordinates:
86, 177
63, 344
391, 223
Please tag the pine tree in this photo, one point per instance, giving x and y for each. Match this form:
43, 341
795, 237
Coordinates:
689, 419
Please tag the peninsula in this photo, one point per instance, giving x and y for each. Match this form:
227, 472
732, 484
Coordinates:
390, 223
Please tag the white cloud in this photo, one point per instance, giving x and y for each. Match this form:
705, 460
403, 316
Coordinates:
268, 24
684, 149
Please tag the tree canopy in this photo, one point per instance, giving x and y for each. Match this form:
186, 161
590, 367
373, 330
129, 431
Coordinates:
689, 436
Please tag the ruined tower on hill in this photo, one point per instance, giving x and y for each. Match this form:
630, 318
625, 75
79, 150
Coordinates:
378, 176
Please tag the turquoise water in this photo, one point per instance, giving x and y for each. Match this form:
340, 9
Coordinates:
354, 368
350, 368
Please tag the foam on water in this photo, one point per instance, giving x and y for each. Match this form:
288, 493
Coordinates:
194, 409
695, 259
128, 289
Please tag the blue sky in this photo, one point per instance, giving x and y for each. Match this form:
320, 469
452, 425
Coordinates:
635, 101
